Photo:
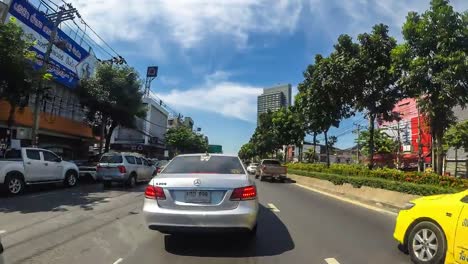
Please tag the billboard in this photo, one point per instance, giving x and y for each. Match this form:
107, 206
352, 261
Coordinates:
67, 65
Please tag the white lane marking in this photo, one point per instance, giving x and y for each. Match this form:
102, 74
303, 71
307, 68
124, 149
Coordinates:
331, 261
370, 207
2, 232
273, 208
118, 261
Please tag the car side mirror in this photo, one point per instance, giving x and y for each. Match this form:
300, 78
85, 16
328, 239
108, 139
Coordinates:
58, 159
465, 199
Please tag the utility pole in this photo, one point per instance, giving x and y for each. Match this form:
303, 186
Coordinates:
63, 14
358, 130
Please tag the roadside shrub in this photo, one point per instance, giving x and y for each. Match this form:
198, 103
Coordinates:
383, 173
358, 181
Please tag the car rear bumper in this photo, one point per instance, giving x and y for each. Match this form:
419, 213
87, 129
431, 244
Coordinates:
117, 177
243, 217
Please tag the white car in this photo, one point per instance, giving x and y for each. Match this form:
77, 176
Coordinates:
201, 192
252, 168
127, 168
26, 166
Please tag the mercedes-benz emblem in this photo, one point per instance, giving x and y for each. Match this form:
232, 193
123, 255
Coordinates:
197, 182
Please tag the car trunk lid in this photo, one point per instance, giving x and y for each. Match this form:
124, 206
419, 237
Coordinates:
199, 191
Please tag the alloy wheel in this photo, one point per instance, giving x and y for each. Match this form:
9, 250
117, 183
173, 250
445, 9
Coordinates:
14, 186
425, 244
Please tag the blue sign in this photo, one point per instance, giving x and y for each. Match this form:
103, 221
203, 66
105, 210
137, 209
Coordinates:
67, 65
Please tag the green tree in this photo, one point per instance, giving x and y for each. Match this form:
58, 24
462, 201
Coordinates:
310, 155
247, 151
288, 127
265, 138
457, 137
16, 66
323, 101
433, 61
183, 140
371, 77
383, 143
111, 98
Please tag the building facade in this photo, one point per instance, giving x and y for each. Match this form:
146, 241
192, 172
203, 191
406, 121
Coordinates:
148, 137
62, 125
407, 131
274, 98
188, 122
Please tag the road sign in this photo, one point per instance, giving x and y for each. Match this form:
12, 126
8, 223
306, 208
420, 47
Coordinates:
152, 71
166, 153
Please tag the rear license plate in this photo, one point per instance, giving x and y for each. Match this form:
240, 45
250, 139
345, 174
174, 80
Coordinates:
197, 197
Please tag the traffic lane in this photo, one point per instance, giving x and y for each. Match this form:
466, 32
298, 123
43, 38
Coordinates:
324, 227
50, 230
27, 211
269, 246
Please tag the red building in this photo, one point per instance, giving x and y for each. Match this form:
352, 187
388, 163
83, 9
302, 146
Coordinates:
407, 129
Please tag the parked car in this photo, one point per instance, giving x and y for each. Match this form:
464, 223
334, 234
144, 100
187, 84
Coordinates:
160, 165
201, 192
87, 168
27, 166
434, 229
252, 168
127, 168
270, 169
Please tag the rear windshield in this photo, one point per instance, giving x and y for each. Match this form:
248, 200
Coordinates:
271, 162
111, 159
200, 164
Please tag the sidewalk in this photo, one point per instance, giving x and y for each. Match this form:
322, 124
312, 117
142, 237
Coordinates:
390, 200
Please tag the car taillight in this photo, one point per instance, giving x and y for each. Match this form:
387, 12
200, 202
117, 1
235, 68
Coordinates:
158, 169
155, 192
244, 193
122, 169
263, 167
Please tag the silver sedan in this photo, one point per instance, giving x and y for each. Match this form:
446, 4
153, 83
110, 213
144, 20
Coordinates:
202, 192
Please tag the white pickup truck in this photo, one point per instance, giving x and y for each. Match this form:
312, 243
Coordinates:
26, 166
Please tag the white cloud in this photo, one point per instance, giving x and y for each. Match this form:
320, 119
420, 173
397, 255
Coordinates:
189, 23
229, 99
170, 81
358, 16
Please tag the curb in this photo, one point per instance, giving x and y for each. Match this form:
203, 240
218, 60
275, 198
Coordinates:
378, 199
378, 207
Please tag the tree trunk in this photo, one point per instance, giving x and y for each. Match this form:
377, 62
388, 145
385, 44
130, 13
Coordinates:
371, 141
286, 153
109, 135
433, 151
11, 122
440, 154
327, 150
315, 146
456, 162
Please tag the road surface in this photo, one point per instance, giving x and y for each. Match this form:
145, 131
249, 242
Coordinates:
89, 224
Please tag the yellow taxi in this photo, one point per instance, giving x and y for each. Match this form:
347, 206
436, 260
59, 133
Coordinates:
434, 229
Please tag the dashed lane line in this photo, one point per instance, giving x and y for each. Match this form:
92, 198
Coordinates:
370, 207
331, 261
118, 261
2, 232
273, 208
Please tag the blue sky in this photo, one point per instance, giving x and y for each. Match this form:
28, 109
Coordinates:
214, 57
